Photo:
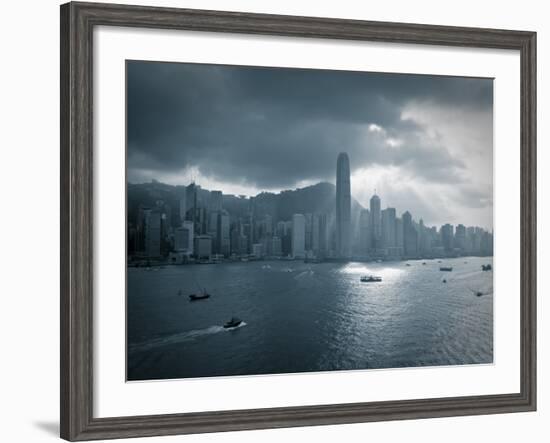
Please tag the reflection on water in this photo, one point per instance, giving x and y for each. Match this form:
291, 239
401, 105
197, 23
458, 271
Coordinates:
307, 317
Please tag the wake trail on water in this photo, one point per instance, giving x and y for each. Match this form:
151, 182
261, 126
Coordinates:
181, 337
303, 274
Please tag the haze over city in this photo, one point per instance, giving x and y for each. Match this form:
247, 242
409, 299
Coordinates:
423, 142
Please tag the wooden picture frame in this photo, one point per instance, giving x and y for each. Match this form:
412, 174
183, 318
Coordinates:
77, 23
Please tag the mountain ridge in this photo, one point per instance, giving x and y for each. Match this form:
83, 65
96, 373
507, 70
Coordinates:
317, 198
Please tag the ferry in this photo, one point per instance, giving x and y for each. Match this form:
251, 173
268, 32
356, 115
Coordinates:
233, 323
370, 279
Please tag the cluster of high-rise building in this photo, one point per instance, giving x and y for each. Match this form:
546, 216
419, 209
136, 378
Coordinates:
384, 235
204, 231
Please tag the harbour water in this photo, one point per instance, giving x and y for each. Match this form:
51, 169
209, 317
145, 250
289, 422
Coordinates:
302, 317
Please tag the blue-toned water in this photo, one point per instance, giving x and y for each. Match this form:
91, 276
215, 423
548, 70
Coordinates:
307, 317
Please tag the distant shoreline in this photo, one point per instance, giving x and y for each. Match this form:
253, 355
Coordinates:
158, 264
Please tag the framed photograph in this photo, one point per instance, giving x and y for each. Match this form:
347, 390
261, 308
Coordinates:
273, 221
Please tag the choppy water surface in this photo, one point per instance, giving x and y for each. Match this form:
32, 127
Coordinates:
307, 317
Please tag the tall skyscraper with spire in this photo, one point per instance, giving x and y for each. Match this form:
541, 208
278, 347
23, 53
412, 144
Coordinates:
343, 206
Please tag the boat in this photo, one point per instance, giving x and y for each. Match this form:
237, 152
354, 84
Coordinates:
477, 293
446, 268
444, 280
423, 262
233, 323
407, 264
487, 267
370, 279
200, 296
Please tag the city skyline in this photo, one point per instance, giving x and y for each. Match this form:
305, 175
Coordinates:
375, 193
205, 230
423, 142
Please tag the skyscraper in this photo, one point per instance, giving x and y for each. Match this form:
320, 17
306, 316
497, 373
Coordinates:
410, 236
223, 238
298, 236
152, 233
399, 237
460, 238
447, 233
376, 222
183, 205
364, 232
183, 238
343, 206
388, 228
215, 203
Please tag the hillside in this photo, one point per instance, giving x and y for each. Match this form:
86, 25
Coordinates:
318, 198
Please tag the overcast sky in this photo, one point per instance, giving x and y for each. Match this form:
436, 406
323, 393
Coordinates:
424, 142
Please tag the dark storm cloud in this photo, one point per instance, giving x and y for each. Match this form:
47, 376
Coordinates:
272, 128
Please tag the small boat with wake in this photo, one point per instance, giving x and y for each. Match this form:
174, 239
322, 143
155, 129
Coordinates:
203, 295
478, 293
233, 323
370, 279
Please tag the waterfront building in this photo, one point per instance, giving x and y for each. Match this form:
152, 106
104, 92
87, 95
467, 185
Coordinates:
268, 225
203, 247
343, 206
364, 232
425, 238
319, 234
447, 233
298, 236
223, 239
183, 238
276, 246
486, 244
234, 240
388, 228
375, 222
257, 250
149, 230
309, 232
281, 229
410, 236
399, 235
460, 238
267, 243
